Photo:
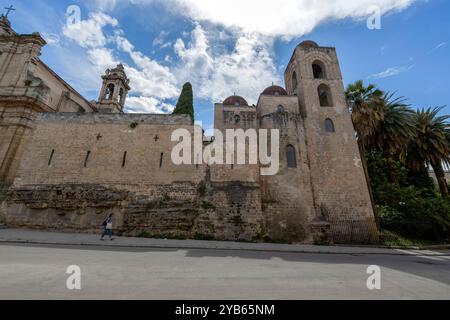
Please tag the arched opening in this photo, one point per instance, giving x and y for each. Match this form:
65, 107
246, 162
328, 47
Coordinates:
329, 126
109, 92
294, 81
291, 156
325, 98
120, 97
280, 109
318, 68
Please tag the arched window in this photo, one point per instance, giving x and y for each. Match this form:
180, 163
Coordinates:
318, 68
291, 156
325, 96
280, 109
294, 81
109, 92
120, 97
329, 125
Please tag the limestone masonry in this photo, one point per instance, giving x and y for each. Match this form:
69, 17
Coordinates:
66, 163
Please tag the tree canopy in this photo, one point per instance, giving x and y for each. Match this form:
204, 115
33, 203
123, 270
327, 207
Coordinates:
185, 103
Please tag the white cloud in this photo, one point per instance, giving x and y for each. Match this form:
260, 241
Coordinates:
89, 33
152, 81
215, 70
284, 18
102, 58
246, 70
51, 38
390, 72
441, 45
160, 42
149, 77
148, 105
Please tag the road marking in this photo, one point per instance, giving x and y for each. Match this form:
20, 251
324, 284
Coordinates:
425, 254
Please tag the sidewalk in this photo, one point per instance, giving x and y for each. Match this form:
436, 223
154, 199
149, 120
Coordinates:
24, 236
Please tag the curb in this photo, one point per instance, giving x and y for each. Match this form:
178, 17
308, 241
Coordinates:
225, 248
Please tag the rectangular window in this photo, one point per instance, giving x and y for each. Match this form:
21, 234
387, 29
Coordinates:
161, 160
86, 160
124, 160
51, 157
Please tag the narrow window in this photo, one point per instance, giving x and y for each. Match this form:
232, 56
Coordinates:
120, 97
161, 160
86, 160
124, 160
109, 92
329, 126
324, 93
51, 157
294, 81
291, 156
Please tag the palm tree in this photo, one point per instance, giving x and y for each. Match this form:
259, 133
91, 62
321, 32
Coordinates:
431, 144
364, 103
394, 132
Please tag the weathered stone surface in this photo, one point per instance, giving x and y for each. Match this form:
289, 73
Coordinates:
225, 215
71, 165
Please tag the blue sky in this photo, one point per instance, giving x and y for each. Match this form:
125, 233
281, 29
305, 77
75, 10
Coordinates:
226, 47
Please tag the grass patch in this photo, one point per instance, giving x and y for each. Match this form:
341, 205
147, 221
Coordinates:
134, 125
201, 189
276, 241
392, 239
201, 236
208, 206
148, 235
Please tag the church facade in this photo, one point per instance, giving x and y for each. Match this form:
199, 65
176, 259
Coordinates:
67, 162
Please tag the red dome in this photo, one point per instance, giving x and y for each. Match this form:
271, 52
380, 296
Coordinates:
309, 44
235, 101
275, 91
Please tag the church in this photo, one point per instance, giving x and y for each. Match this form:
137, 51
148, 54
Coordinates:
66, 162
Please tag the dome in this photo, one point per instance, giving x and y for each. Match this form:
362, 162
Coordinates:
235, 101
275, 91
308, 44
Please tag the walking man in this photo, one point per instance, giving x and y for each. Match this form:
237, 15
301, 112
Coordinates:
107, 227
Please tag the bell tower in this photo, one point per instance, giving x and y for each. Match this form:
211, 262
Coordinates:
114, 90
337, 175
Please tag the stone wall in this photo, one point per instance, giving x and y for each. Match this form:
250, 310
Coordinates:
73, 184
27, 87
337, 176
112, 149
288, 201
181, 210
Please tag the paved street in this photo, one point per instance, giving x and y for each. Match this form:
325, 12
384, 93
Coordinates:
30, 271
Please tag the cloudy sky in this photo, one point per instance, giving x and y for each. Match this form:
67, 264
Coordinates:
238, 46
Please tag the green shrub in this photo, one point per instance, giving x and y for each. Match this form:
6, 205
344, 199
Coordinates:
409, 213
201, 189
413, 209
208, 206
134, 125
185, 104
201, 236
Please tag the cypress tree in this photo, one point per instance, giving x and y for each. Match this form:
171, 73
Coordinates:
185, 103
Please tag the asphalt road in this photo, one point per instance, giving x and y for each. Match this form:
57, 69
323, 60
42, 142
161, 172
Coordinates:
39, 272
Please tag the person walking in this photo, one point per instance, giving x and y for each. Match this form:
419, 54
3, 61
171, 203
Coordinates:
107, 227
